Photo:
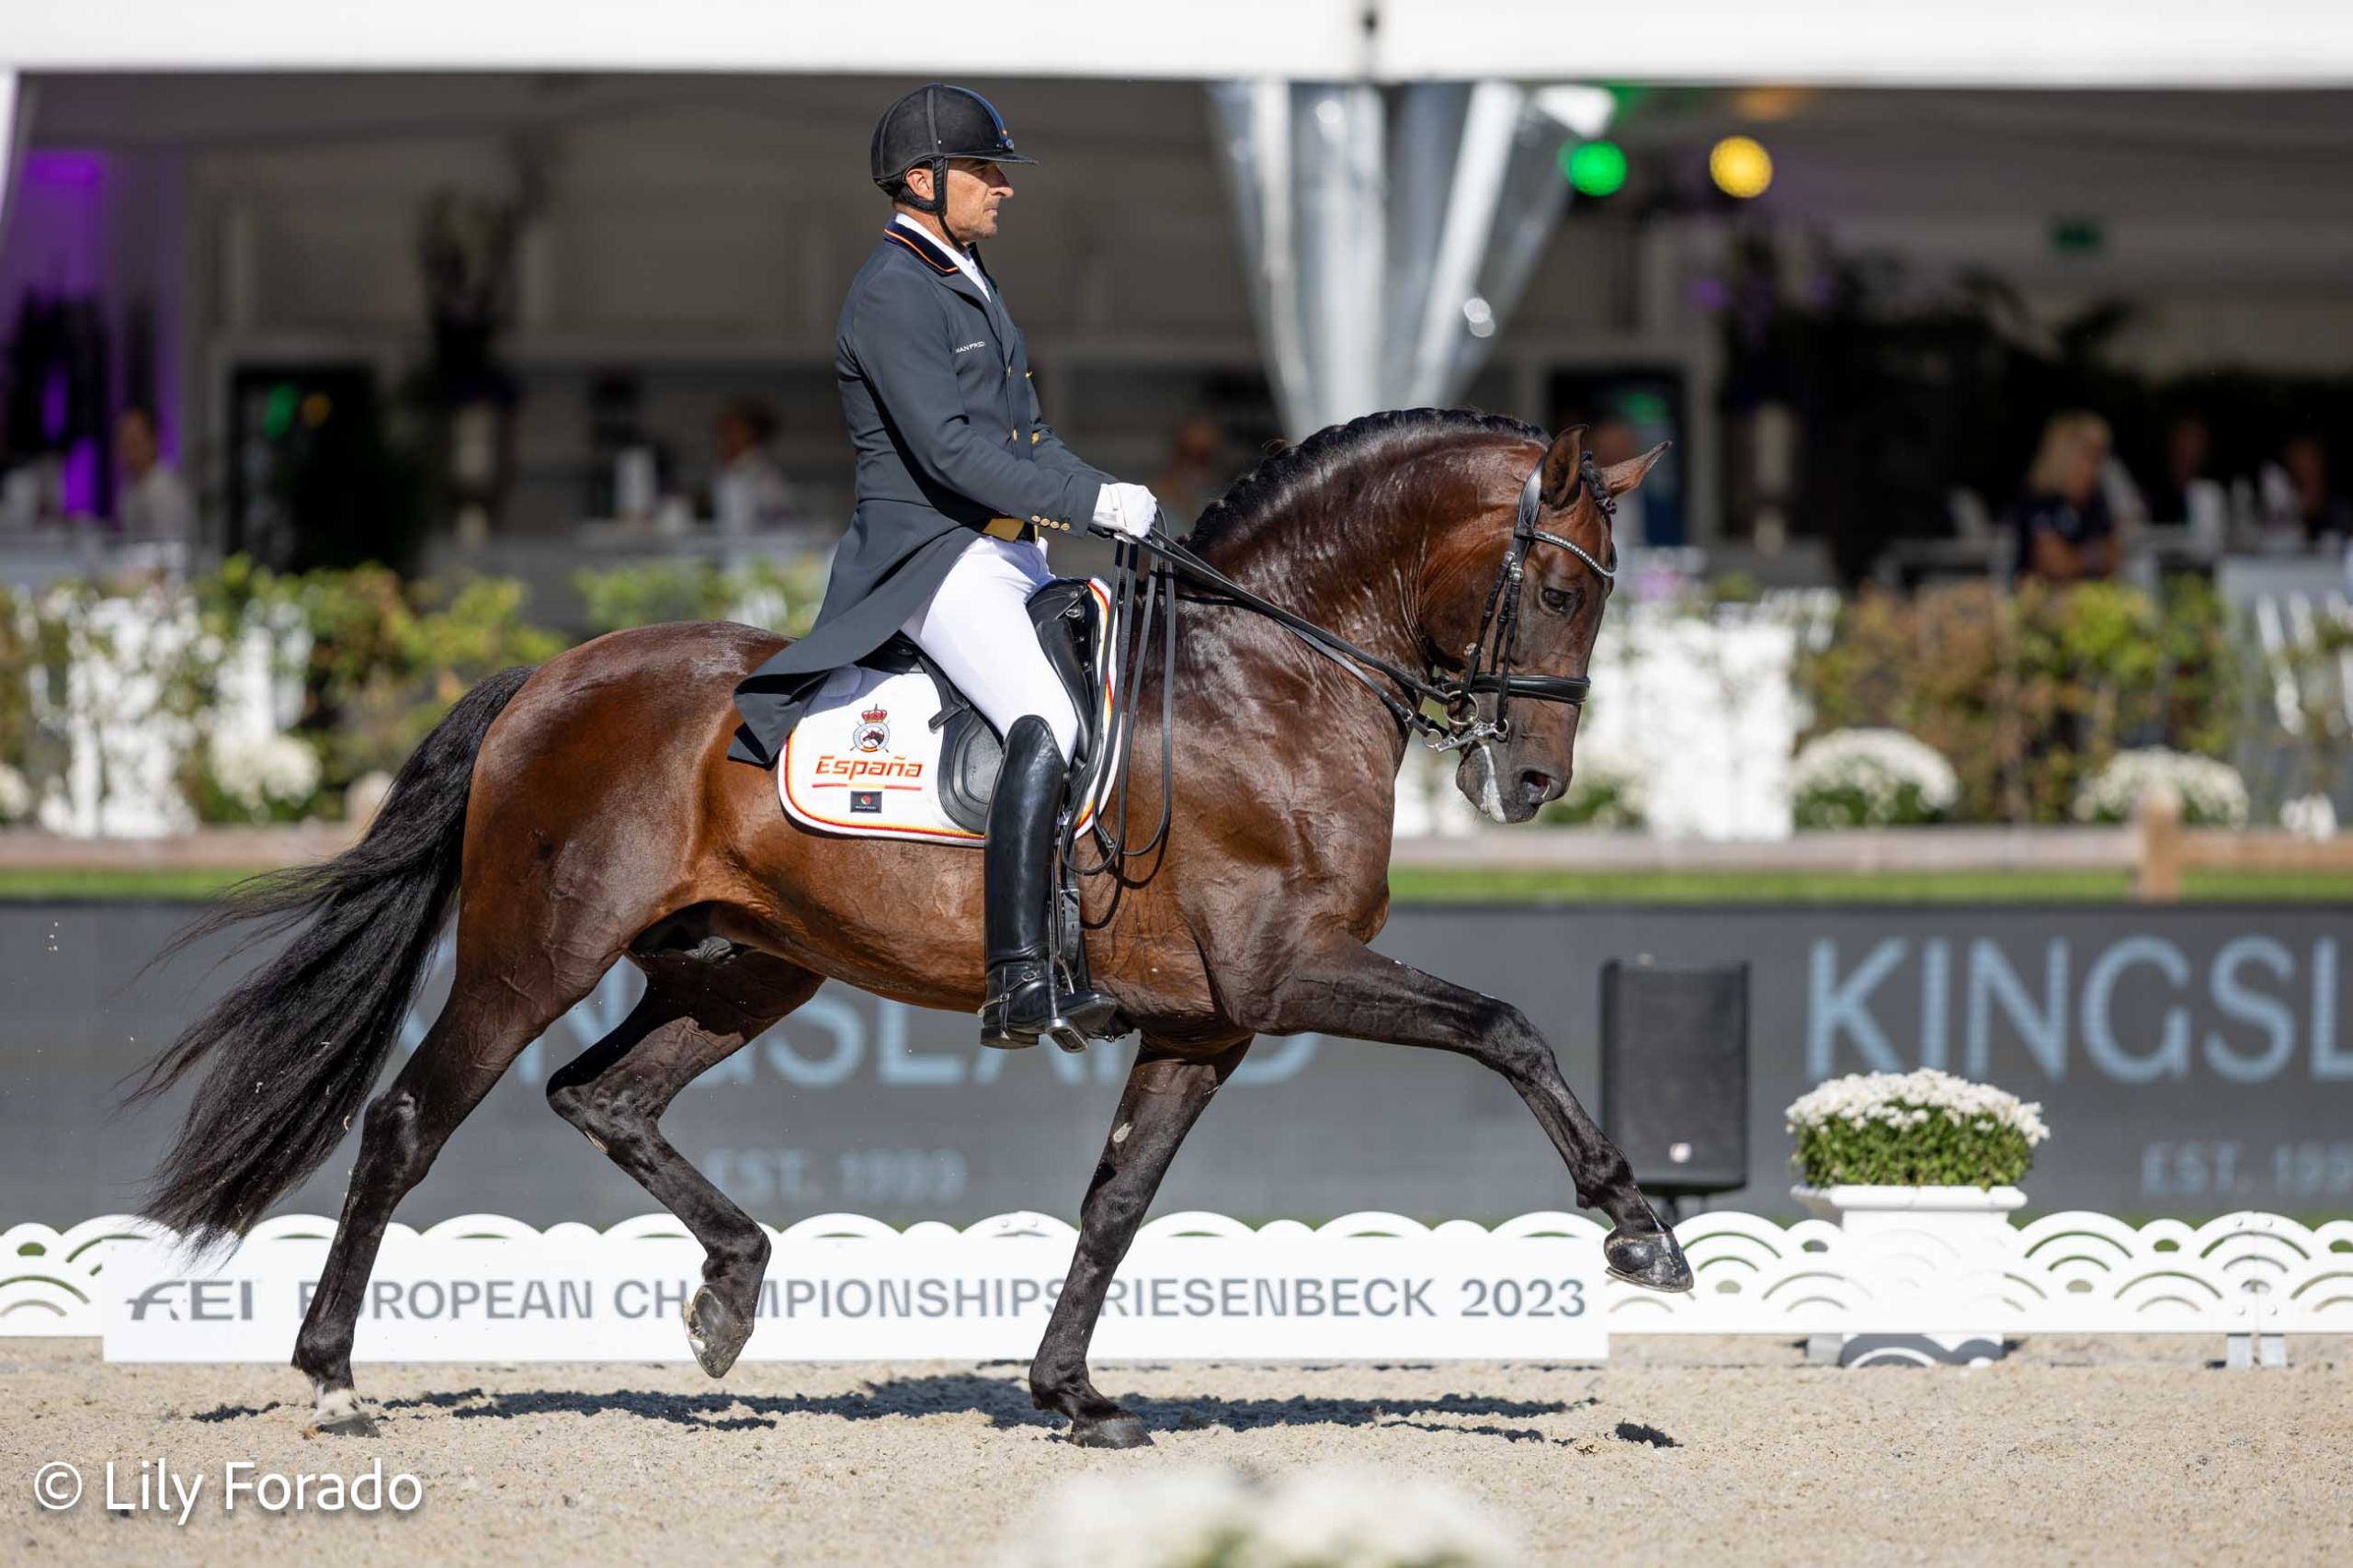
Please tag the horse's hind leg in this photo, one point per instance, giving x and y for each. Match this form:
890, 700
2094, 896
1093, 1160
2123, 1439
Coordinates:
695, 1012
484, 1027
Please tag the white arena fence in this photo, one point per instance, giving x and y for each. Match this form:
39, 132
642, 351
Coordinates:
1531, 1288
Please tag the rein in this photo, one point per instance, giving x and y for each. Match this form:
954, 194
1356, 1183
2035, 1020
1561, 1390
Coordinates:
1457, 696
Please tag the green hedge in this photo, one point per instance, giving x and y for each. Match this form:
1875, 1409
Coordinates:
2029, 692
387, 657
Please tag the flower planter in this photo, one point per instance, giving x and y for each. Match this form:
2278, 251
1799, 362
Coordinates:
1926, 1256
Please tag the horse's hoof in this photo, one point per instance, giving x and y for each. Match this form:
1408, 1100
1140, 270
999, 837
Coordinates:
339, 1413
1649, 1258
714, 1333
1113, 1432
358, 1423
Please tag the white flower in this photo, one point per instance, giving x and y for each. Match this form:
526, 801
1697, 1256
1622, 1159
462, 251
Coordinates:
1355, 1518
16, 795
258, 775
1910, 1100
2307, 816
2211, 793
1174, 1518
1877, 765
1320, 1518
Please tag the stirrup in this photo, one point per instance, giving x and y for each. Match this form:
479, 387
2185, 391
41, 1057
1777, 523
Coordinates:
1071, 1019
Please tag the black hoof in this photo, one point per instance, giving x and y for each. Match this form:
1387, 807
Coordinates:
1648, 1258
714, 1332
1113, 1432
358, 1423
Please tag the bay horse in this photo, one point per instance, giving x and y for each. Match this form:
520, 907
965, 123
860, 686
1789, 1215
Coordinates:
585, 813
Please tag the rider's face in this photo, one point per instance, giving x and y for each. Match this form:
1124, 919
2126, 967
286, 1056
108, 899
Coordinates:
976, 188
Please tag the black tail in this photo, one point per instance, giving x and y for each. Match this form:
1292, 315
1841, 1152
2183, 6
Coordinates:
298, 1044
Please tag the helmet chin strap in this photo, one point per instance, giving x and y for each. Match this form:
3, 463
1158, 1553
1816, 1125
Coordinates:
937, 208
937, 205
937, 202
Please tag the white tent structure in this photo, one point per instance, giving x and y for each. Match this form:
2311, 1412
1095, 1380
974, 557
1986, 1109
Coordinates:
2146, 43
1388, 164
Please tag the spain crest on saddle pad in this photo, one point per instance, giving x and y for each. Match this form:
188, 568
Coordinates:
887, 750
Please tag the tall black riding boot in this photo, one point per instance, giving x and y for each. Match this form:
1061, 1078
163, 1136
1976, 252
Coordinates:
1017, 862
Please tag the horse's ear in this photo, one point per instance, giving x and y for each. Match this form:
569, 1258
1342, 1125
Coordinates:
1560, 468
1622, 477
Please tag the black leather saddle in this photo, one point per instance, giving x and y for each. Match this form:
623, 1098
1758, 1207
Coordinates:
1068, 622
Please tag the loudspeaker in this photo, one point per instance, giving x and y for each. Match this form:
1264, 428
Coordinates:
1675, 1072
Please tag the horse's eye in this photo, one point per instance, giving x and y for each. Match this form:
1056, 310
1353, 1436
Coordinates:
1560, 601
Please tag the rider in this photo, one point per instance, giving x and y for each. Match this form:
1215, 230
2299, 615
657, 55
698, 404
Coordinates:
946, 544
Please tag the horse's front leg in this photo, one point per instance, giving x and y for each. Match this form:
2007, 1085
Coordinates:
1343, 987
1163, 1098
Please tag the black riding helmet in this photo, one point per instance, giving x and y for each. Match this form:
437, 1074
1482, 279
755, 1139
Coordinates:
932, 124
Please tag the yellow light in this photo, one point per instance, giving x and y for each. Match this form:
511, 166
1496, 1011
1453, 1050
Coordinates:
315, 409
1740, 166
1771, 103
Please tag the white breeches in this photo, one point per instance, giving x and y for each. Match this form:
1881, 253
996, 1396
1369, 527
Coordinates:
976, 628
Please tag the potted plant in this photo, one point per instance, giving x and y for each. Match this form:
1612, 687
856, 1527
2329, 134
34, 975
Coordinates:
1871, 778
1920, 1170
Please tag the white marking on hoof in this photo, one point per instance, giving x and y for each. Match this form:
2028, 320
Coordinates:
696, 1340
336, 1405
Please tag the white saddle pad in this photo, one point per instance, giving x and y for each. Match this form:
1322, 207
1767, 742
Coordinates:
863, 760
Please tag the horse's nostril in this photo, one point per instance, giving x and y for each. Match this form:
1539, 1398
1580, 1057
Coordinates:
1535, 787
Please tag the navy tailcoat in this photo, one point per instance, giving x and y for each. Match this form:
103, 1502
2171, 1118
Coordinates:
936, 392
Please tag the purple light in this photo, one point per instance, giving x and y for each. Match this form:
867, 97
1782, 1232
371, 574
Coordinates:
53, 394
81, 485
1710, 293
65, 171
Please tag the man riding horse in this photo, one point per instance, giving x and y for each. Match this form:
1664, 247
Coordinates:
1425, 576
958, 474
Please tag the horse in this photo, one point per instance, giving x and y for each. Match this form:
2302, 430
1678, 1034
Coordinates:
584, 813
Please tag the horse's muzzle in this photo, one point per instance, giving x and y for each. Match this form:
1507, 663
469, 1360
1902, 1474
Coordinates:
1506, 793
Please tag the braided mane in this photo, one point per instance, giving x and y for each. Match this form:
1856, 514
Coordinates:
1279, 482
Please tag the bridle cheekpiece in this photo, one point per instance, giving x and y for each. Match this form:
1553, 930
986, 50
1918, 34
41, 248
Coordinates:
1499, 624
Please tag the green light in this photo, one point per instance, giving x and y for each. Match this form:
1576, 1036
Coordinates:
2076, 236
277, 413
1595, 168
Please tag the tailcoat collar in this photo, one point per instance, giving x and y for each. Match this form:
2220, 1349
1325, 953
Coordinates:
941, 261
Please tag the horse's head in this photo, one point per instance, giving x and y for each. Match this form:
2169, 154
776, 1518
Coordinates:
1560, 601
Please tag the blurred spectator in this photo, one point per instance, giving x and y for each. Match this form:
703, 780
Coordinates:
153, 505
32, 495
2326, 520
2188, 446
2065, 530
749, 494
1195, 474
2184, 493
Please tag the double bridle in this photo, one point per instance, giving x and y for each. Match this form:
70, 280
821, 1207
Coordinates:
1487, 658
1500, 621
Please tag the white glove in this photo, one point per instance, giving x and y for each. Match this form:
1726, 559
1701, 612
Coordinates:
1125, 509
